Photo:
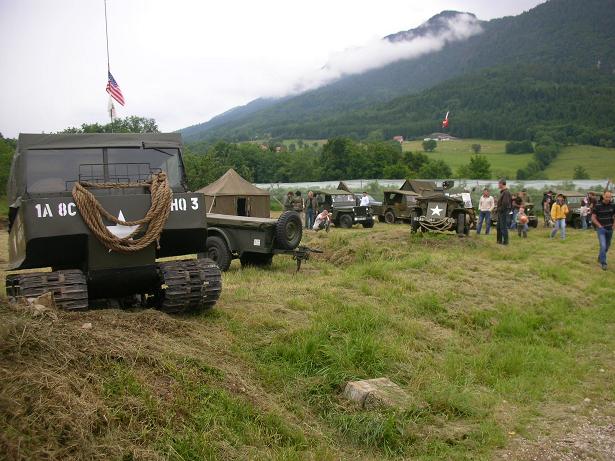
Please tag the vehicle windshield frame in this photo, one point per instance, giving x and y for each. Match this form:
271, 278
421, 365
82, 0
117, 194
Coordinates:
54, 171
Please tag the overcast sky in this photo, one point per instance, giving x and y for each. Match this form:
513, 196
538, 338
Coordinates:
184, 61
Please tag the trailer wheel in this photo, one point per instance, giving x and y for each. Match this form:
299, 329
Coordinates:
345, 221
218, 252
288, 230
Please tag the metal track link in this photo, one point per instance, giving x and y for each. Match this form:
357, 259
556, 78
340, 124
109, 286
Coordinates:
189, 285
69, 287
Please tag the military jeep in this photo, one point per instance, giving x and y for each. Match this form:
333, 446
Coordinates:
574, 201
397, 206
440, 212
344, 210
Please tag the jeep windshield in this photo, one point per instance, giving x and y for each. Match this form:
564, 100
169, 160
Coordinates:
56, 170
341, 199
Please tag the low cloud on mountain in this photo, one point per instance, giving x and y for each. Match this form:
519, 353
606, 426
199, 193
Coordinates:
381, 52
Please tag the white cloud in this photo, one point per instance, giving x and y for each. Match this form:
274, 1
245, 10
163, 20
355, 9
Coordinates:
185, 61
381, 52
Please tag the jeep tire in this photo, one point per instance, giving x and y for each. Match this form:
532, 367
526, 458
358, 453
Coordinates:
389, 217
345, 221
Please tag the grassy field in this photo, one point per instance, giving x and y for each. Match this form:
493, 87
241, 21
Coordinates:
490, 342
598, 161
458, 153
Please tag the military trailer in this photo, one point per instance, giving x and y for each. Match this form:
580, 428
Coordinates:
344, 210
397, 206
254, 241
438, 211
90, 216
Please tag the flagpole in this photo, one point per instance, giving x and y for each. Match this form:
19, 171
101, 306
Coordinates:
108, 62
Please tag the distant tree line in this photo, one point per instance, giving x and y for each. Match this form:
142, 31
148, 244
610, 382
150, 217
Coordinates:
131, 124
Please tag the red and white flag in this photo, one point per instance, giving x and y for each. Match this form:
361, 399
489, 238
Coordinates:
114, 90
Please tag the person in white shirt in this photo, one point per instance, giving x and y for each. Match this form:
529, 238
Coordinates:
485, 207
322, 221
364, 200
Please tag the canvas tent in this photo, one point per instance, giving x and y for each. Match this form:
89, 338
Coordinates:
233, 195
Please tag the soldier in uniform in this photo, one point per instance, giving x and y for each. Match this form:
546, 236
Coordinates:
298, 206
288, 201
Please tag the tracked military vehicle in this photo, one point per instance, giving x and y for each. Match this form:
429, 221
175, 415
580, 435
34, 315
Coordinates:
437, 211
93, 213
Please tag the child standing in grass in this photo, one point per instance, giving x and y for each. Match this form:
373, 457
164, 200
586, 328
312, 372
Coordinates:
522, 221
558, 215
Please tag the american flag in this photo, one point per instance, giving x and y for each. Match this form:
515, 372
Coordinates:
114, 90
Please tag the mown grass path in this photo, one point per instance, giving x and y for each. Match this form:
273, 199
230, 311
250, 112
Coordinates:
492, 343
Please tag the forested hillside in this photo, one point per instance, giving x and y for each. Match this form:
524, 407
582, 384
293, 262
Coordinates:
512, 102
540, 45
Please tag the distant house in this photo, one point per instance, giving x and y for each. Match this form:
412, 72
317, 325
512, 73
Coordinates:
440, 137
399, 139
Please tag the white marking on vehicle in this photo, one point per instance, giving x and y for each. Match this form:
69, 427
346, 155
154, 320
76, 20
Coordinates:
119, 230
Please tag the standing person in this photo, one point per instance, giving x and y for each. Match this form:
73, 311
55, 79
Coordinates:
311, 209
585, 213
364, 200
547, 202
504, 211
485, 208
298, 206
602, 218
559, 210
288, 201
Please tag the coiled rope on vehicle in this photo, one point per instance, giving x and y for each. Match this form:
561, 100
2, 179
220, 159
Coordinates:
439, 225
150, 225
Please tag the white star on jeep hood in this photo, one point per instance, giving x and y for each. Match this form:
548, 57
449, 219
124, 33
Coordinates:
436, 210
121, 231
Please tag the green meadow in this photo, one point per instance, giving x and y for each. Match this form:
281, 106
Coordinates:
490, 342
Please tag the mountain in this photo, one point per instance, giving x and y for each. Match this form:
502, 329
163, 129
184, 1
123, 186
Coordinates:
554, 37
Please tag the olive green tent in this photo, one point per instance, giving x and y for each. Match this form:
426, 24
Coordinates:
233, 195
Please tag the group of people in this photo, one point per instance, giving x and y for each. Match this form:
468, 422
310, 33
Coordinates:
601, 210
308, 210
516, 216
